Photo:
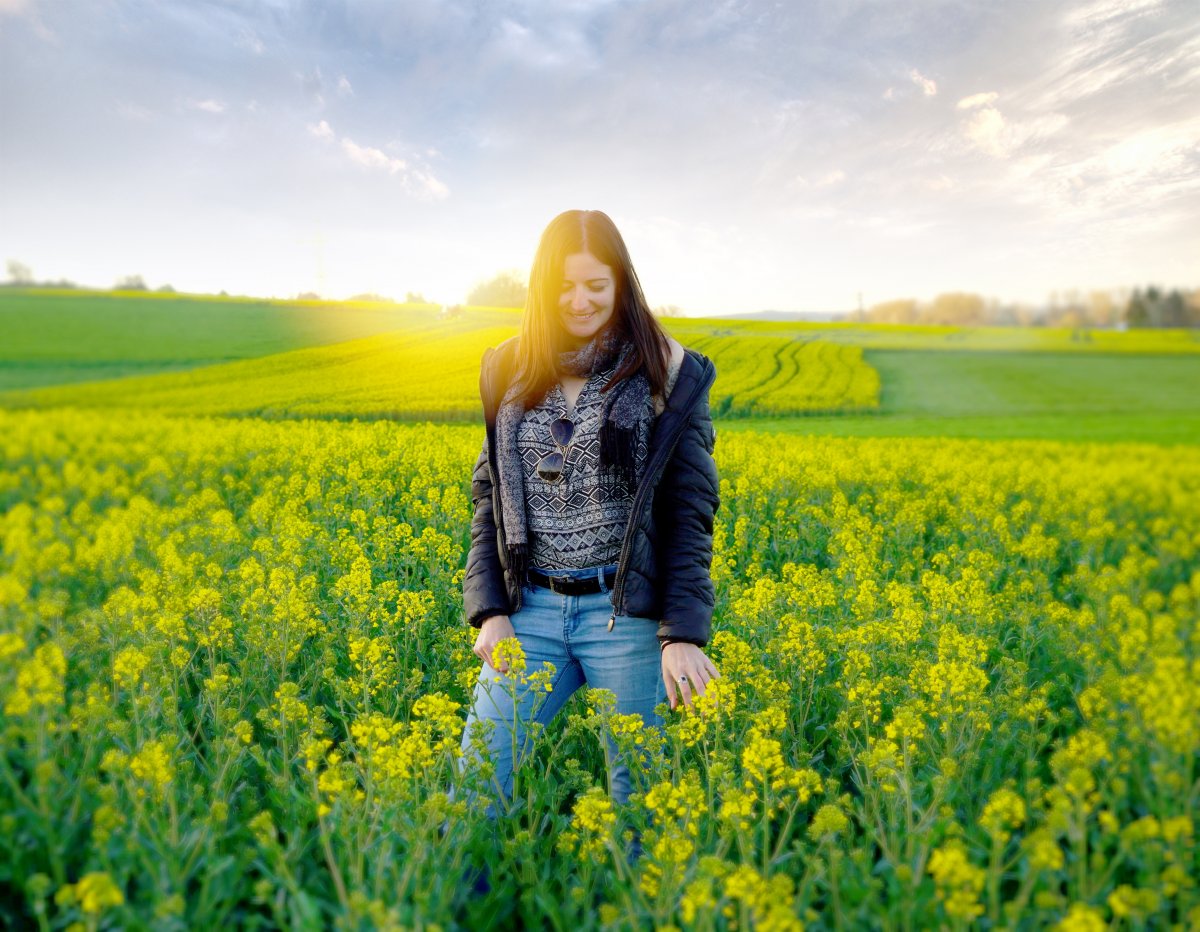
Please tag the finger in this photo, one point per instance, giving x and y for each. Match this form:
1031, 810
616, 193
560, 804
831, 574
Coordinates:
686, 691
670, 684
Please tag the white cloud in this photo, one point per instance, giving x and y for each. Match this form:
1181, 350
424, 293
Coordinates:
978, 100
988, 131
418, 180
209, 105
370, 157
1113, 45
13, 7
431, 185
344, 87
1152, 166
928, 86
1099, 11
831, 178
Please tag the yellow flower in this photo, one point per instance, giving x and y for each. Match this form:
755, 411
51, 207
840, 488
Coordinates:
737, 808
39, 681
829, 821
593, 820
1043, 851
10, 645
1082, 918
1129, 903
959, 882
95, 892
509, 650
129, 665
152, 765
1004, 812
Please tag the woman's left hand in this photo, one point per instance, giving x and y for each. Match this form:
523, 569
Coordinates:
684, 667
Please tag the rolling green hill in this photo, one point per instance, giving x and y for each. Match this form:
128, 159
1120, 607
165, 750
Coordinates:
57, 337
295, 359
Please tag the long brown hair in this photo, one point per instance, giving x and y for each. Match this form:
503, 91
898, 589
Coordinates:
591, 231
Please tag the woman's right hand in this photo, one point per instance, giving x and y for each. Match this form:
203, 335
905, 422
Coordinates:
493, 630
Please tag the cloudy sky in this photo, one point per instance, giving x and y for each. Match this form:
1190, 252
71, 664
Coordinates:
788, 155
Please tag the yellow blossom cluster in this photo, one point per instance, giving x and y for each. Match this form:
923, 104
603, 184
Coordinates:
238, 644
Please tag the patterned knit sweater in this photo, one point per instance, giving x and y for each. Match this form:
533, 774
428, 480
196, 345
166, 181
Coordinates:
579, 520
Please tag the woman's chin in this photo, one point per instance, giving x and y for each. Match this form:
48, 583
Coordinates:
581, 331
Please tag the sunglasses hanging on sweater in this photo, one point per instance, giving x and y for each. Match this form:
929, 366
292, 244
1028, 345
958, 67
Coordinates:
550, 466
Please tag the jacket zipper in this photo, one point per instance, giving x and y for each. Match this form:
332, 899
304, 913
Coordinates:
635, 509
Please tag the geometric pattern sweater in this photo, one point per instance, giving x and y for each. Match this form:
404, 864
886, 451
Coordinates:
578, 521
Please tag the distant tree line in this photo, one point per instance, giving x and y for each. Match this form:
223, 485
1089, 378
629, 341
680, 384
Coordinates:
1140, 307
21, 275
508, 289
1149, 307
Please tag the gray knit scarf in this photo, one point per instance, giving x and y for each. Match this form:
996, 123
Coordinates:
624, 431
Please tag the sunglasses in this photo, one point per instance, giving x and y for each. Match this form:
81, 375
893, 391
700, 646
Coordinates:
550, 466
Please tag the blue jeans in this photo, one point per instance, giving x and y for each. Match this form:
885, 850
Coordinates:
570, 632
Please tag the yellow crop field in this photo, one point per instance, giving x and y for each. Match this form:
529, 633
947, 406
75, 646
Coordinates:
409, 375
960, 686
432, 372
780, 376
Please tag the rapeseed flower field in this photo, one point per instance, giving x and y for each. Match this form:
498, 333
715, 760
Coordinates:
959, 689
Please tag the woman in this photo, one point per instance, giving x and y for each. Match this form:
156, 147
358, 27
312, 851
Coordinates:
594, 498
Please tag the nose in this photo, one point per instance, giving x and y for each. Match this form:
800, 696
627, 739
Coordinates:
579, 300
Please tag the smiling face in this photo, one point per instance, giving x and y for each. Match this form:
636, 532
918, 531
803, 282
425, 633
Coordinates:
587, 298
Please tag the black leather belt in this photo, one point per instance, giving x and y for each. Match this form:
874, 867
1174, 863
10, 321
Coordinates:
569, 585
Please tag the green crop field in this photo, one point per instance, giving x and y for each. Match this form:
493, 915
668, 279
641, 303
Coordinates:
1063, 396
57, 337
334, 360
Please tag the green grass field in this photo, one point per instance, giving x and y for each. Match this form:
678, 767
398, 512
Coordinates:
1004, 396
61, 337
954, 339
314, 359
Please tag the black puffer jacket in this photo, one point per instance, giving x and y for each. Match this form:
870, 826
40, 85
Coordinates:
663, 570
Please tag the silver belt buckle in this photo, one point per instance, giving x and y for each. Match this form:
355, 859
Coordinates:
556, 580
